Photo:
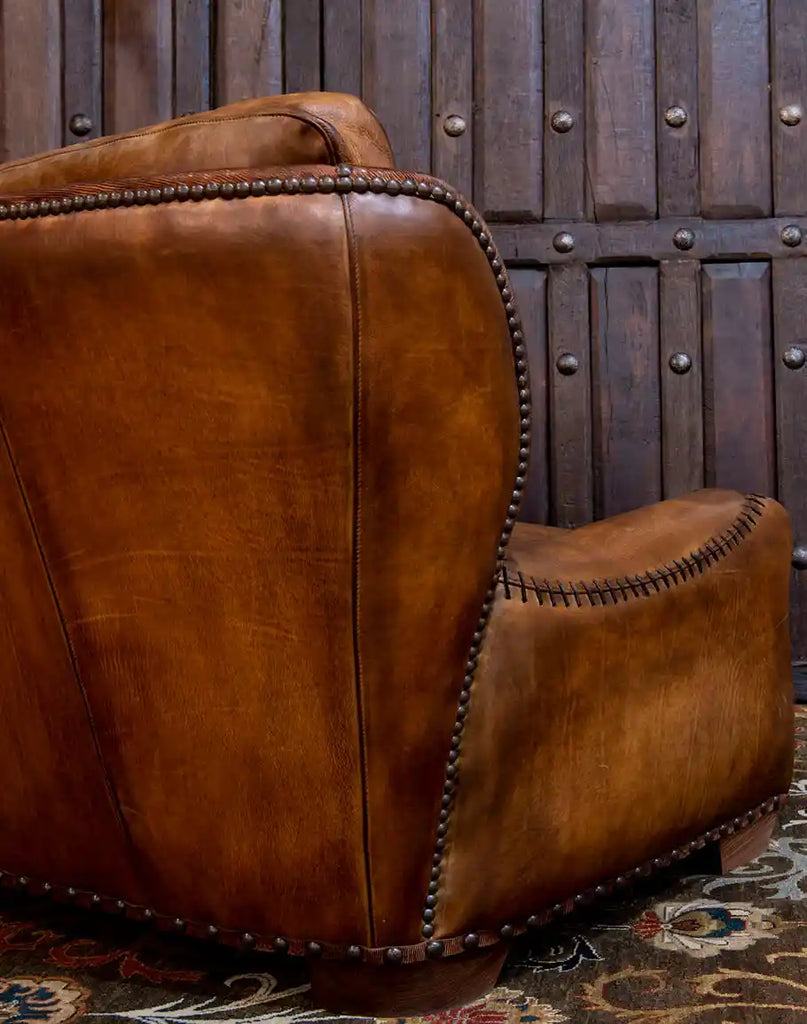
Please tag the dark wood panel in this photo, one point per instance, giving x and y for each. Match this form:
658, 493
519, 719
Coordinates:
138, 63
681, 387
643, 240
734, 108
509, 108
81, 71
530, 289
453, 98
564, 81
789, 91
621, 116
625, 388
341, 46
30, 76
571, 489
677, 91
789, 304
396, 75
249, 49
738, 390
302, 36
191, 56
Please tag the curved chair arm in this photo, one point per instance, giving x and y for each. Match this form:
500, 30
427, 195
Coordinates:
633, 693
300, 128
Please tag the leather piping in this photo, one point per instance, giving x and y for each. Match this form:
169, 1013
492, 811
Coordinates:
599, 592
358, 444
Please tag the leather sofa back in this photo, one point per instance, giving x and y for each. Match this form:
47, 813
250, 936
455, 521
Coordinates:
261, 434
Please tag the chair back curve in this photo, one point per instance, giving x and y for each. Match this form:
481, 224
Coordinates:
260, 431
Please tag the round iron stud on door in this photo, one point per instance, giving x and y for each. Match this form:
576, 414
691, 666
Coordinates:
684, 239
562, 121
563, 241
790, 115
676, 117
454, 125
80, 125
680, 362
567, 364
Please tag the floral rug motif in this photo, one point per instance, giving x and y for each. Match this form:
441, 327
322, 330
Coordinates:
683, 948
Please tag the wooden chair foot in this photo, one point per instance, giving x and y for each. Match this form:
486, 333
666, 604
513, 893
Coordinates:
404, 990
747, 844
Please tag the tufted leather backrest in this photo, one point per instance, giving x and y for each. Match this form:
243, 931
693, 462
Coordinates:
299, 128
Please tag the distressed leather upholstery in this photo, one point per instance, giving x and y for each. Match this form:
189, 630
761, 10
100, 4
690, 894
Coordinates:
640, 645
265, 667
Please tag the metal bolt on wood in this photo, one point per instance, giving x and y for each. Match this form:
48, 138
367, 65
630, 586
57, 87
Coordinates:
794, 358
454, 125
563, 241
791, 115
676, 117
562, 121
680, 362
684, 239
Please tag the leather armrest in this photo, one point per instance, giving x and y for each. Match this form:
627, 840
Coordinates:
633, 692
301, 128
628, 545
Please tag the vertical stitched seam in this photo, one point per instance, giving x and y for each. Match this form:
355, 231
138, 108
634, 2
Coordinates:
111, 793
358, 429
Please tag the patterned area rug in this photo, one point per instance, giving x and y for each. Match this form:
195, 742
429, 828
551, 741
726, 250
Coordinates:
684, 948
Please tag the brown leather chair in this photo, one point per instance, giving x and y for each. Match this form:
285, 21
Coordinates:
280, 667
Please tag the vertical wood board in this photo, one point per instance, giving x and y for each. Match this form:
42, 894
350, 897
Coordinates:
508, 58
571, 489
396, 75
677, 87
735, 160
681, 393
529, 286
564, 79
621, 115
30, 81
738, 386
249, 49
453, 92
82, 68
625, 388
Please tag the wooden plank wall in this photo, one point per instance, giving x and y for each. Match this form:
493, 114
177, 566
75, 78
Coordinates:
654, 371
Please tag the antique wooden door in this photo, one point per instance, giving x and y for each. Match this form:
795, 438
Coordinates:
643, 164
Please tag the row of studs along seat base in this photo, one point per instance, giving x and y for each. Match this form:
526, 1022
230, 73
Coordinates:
433, 949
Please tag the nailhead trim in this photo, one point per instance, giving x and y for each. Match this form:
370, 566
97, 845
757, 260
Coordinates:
590, 593
431, 949
451, 780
